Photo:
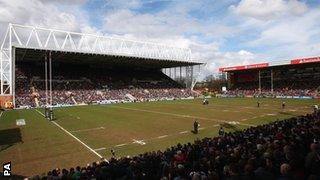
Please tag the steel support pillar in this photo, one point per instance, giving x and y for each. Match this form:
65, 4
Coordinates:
13, 74
271, 80
259, 82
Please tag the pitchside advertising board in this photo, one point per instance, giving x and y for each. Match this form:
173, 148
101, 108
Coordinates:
6, 101
305, 60
252, 66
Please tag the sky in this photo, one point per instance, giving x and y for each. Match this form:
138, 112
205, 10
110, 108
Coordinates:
218, 32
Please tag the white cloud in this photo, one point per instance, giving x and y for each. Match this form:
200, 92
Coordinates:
269, 9
38, 13
291, 37
43, 14
278, 29
167, 29
217, 59
147, 25
291, 28
161, 27
208, 53
163, 24
69, 2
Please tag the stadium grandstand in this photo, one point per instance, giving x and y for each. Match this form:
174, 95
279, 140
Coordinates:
172, 133
296, 78
41, 67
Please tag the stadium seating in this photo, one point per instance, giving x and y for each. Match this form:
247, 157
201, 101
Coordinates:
279, 150
282, 87
82, 85
283, 92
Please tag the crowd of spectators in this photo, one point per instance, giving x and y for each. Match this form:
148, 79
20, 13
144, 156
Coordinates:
282, 87
68, 89
282, 150
282, 92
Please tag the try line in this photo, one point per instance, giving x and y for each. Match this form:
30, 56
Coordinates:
1, 114
74, 137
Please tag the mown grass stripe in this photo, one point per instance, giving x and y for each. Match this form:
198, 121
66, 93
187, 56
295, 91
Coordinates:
74, 137
90, 129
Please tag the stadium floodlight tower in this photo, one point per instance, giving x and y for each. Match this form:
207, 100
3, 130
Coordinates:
178, 63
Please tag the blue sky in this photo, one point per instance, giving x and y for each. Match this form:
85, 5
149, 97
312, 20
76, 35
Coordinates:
221, 33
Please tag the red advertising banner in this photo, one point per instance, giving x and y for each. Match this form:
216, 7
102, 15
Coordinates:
305, 60
236, 68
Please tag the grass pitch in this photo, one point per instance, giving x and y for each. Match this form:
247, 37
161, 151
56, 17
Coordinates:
81, 134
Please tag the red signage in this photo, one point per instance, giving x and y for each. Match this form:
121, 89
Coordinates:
252, 66
305, 60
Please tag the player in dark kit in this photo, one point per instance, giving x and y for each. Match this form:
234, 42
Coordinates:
283, 105
258, 104
195, 127
46, 112
221, 131
316, 109
113, 153
205, 102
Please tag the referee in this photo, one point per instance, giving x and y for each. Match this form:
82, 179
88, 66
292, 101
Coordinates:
196, 127
221, 131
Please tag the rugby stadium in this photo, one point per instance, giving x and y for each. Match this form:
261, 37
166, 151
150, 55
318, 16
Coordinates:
83, 106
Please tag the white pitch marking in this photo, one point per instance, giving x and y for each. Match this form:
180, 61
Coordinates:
40, 112
183, 132
141, 142
202, 128
233, 122
244, 119
171, 114
237, 122
91, 129
226, 110
99, 155
77, 139
164, 136
1, 114
271, 114
119, 145
100, 149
